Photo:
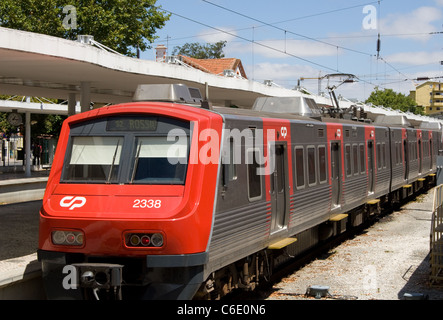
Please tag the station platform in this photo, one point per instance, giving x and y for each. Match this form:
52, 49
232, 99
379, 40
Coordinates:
16, 187
20, 201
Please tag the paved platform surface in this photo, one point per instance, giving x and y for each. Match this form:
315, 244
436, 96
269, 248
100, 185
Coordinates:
16, 187
19, 227
19, 174
19, 242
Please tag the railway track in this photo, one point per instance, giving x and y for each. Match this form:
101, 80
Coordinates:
322, 250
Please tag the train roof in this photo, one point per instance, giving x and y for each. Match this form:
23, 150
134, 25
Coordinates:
255, 113
302, 108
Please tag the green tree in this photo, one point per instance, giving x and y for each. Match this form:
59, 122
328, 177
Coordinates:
122, 25
201, 51
394, 100
46, 124
5, 127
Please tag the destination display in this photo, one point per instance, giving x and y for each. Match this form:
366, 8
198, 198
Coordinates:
132, 124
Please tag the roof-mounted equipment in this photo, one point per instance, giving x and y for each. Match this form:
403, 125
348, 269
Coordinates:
302, 106
175, 93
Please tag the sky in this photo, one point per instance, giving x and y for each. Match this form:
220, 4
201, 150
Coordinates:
285, 41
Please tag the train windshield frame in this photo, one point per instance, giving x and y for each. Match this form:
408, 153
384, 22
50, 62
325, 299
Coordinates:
128, 150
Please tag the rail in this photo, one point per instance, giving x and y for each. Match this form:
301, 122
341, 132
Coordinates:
436, 239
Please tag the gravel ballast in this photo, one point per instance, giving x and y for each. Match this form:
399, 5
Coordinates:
388, 261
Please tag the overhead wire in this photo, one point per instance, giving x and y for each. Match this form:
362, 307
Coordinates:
285, 52
300, 35
304, 17
284, 30
249, 40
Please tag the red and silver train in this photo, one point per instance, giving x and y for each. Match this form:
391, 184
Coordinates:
165, 199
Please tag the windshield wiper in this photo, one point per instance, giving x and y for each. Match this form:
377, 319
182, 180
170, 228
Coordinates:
113, 161
136, 161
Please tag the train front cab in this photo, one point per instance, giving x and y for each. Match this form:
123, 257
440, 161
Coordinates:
118, 219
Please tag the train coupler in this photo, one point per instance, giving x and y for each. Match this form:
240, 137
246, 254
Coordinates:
105, 280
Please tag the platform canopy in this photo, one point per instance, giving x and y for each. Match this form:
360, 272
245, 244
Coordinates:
44, 66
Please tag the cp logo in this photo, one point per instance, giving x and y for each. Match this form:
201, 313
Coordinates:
284, 131
72, 202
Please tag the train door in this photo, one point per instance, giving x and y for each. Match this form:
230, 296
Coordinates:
406, 159
279, 188
336, 173
431, 154
371, 166
420, 161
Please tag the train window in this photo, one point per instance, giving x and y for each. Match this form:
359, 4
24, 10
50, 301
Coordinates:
93, 159
412, 150
254, 178
158, 160
362, 158
355, 158
378, 156
399, 159
230, 166
311, 166
348, 159
383, 154
299, 167
322, 163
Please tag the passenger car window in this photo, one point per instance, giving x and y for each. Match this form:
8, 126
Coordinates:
311, 166
254, 179
322, 163
299, 167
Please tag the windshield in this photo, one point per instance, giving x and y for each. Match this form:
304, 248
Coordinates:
128, 150
94, 159
158, 160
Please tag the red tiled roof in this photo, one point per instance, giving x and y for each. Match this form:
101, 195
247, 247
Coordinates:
215, 66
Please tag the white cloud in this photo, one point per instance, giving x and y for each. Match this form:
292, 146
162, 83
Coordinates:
415, 58
280, 49
300, 48
282, 71
285, 75
212, 36
406, 25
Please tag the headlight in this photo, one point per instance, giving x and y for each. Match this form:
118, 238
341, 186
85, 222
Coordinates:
157, 239
145, 240
67, 238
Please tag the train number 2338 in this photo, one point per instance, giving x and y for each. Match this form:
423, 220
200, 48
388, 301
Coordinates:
147, 203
